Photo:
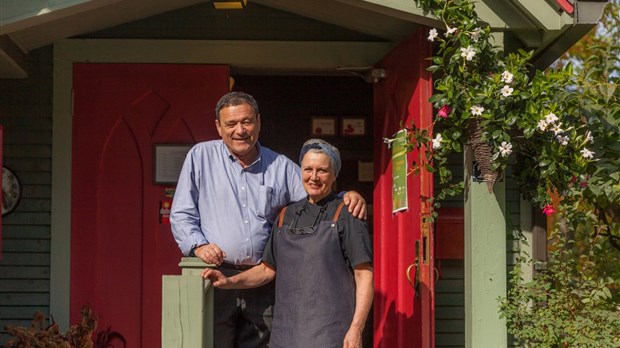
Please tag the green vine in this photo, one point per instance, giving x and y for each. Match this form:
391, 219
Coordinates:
559, 131
561, 128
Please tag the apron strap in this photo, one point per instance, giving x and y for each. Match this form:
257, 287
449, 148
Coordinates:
338, 212
281, 217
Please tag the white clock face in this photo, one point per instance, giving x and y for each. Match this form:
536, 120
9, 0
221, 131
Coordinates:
11, 191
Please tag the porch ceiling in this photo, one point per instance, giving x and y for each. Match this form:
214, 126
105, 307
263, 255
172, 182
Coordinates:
534, 24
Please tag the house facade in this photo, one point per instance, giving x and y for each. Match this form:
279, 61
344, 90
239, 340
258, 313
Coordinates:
92, 91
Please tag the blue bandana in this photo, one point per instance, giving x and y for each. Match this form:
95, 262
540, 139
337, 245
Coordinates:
329, 149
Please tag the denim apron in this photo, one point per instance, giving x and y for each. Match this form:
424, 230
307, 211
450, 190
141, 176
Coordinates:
315, 288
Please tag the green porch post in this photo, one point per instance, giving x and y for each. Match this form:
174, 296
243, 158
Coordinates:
187, 307
485, 262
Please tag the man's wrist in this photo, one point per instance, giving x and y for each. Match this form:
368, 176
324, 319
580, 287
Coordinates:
192, 251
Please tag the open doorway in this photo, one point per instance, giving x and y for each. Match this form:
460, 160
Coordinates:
288, 105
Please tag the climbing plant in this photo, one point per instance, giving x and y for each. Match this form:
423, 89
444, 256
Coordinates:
559, 130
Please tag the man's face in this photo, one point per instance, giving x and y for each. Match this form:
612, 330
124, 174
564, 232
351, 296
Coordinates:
239, 127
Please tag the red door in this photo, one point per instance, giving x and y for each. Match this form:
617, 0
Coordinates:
119, 249
403, 252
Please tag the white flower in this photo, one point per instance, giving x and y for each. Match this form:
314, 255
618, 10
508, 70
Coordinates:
432, 34
437, 141
475, 35
589, 137
507, 91
562, 139
542, 125
507, 77
557, 129
450, 31
551, 118
468, 53
477, 110
505, 149
587, 153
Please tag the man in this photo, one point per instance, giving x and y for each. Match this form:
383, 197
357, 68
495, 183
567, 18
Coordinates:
228, 195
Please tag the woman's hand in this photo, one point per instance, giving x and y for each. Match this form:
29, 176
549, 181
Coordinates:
218, 278
353, 339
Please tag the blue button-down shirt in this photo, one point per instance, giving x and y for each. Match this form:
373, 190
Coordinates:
218, 201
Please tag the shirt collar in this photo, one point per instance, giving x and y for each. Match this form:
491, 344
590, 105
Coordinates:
233, 159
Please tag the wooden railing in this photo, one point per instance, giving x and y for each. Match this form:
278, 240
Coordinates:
187, 307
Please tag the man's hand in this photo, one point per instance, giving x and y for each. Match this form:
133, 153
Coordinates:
210, 253
218, 278
356, 204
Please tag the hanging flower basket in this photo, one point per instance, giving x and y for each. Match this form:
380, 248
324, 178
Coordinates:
483, 152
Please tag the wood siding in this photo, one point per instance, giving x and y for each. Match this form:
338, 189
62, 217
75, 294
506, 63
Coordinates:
26, 114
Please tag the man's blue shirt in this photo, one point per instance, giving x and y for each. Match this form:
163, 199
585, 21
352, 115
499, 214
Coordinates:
218, 201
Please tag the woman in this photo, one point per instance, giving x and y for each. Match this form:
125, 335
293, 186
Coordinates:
323, 260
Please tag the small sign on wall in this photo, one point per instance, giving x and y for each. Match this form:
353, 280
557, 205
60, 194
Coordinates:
353, 126
168, 161
323, 126
365, 172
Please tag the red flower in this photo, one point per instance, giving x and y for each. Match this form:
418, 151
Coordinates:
548, 209
573, 179
444, 111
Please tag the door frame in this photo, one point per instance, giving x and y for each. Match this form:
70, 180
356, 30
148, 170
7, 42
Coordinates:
275, 55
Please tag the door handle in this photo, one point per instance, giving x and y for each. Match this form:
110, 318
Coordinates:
416, 279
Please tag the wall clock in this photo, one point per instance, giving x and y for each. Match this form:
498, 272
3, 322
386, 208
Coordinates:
11, 191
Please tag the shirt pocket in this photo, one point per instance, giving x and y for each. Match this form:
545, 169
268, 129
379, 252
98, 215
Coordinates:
269, 202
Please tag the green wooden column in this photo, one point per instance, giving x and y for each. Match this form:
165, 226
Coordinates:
485, 262
187, 307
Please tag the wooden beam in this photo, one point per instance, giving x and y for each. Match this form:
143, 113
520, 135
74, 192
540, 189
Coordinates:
293, 55
12, 59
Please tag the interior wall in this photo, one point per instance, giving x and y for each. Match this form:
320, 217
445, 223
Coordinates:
288, 103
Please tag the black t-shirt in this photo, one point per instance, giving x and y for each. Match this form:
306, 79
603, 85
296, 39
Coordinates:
354, 238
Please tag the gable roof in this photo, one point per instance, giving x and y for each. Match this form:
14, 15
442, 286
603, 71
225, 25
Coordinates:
550, 27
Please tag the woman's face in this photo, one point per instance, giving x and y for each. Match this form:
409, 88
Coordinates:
317, 175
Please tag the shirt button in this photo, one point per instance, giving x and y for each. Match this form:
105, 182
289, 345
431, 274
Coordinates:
243, 205
246, 221
243, 187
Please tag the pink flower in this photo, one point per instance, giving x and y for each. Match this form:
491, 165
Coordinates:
444, 111
548, 210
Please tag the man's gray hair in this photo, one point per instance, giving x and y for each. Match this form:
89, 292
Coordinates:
234, 99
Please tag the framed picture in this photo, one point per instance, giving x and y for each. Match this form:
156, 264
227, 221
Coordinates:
352, 126
168, 161
323, 126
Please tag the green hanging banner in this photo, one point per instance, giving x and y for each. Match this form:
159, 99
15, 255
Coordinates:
399, 172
